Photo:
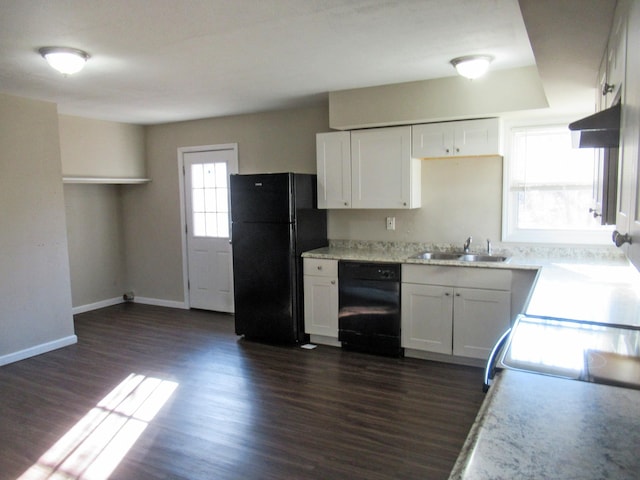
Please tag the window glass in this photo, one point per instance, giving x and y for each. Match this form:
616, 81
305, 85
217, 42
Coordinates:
549, 188
210, 200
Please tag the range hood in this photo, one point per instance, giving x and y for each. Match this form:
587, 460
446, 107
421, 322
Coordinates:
600, 130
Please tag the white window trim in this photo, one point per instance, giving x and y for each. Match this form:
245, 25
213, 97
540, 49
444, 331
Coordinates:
548, 237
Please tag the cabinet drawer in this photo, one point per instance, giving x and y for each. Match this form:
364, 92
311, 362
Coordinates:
471, 277
320, 267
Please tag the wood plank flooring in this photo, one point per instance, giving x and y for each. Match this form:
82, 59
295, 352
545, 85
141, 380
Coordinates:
241, 410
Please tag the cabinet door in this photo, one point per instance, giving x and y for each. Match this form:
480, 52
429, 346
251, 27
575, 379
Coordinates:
381, 168
480, 317
321, 305
426, 317
465, 138
432, 140
333, 157
628, 218
477, 137
616, 57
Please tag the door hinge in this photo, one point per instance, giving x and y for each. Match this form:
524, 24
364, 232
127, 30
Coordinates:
186, 229
188, 284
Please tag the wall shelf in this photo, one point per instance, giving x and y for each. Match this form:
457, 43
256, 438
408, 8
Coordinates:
106, 180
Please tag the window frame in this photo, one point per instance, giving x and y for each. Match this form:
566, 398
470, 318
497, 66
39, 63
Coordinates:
510, 232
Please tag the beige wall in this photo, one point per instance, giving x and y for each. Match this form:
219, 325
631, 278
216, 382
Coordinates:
96, 148
35, 293
460, 197
451, 98
96, 242
267, 142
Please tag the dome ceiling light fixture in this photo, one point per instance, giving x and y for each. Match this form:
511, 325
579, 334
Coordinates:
64, 59
472, 66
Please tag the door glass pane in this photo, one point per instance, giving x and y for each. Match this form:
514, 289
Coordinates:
209, 175
221, 175
199, 229
198, 200
223, 224
210, 199
197, 180
210, 196
222, 200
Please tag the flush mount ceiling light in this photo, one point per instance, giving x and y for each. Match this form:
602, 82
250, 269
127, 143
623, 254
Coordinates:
472, 66
66, 60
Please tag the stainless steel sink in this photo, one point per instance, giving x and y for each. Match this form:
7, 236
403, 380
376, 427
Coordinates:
459, 257
437, 256
472, 257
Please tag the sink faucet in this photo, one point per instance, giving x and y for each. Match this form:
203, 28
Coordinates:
466, 244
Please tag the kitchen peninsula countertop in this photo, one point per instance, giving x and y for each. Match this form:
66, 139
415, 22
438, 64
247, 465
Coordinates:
533, 426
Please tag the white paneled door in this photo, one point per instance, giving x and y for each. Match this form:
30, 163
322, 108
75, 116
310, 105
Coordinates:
208, 225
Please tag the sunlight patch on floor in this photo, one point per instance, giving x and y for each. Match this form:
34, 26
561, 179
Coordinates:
94, 446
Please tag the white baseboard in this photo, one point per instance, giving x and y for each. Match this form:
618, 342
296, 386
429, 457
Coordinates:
440, 357
324, 340
160, 303
94, 306
38, 350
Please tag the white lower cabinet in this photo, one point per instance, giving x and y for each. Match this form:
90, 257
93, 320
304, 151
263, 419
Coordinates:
321, 297
480, 317
451, 318
427, 314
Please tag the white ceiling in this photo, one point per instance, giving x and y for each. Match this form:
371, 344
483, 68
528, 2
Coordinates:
156, 61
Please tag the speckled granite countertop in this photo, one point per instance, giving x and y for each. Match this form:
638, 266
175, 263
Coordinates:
538, 427
597, 285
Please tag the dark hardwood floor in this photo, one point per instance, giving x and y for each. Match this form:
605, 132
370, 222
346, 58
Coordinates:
240, 410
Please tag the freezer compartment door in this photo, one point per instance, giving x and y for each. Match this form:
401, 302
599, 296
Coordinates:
262, 198
265, 287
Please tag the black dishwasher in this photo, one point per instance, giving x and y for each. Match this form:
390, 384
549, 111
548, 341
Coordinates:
369, 307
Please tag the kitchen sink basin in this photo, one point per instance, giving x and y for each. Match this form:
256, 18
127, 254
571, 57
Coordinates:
460, 257
473, 257
437, 256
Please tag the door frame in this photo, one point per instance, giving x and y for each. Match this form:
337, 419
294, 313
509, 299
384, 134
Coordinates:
183, 206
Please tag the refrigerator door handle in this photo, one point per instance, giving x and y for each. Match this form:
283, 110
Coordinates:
490, 369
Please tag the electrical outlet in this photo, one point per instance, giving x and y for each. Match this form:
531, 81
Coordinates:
391, 223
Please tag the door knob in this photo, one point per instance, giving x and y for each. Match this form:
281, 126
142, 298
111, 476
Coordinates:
595, 213
619, 239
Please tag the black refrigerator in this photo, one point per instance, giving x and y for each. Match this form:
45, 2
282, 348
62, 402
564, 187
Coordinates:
274, 218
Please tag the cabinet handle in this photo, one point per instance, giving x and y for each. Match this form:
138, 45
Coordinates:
404, 203
619, 239
447, 294
607, 88
457, 294
319, 267
457, 150
333, 282
346, 204
595, 213
447, 150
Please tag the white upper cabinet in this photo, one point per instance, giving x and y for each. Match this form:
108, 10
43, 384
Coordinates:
383, 174
333, 156
465, 138
615, 59
379, 171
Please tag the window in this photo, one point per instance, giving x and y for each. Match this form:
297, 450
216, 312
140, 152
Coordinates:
210, 199
549, 187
